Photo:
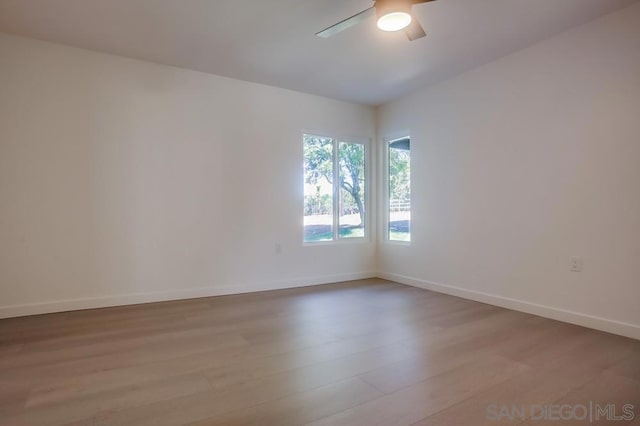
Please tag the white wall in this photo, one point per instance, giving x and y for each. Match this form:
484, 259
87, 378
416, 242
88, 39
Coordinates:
524, 162
124, 181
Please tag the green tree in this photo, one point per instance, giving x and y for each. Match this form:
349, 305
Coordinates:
399, 175
318, 159
318, 164
351, 158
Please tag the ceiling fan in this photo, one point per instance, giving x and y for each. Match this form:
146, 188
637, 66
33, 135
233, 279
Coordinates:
393, 15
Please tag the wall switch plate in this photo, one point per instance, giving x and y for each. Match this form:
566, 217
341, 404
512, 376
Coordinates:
576, 264
278, 248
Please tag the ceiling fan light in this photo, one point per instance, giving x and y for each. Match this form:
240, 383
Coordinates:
394, 21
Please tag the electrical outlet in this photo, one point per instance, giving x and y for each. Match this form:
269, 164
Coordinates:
576, 264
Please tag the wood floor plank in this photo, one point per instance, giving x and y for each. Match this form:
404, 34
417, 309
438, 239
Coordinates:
535, 387
604, 390
85, 407
300, 408
223, 372
415, 402
138, 356
434, 360
629, 365
243, 388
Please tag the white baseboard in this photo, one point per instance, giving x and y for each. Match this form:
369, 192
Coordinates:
585, 320
161, 296
590, 321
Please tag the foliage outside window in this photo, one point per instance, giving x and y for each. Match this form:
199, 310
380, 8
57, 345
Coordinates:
334, 189
399, 215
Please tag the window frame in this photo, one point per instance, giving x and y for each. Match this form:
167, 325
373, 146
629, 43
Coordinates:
386, 193
336, 140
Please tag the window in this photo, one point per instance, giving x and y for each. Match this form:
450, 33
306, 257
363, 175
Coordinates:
399, 217
334, 189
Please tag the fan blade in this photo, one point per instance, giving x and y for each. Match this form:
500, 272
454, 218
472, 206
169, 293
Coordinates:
414, 31
347, 23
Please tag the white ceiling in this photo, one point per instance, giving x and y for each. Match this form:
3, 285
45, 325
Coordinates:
273, 42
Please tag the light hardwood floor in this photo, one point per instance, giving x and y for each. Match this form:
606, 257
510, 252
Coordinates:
367, 352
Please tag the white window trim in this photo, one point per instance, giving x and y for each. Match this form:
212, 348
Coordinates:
385, 192
366, 142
